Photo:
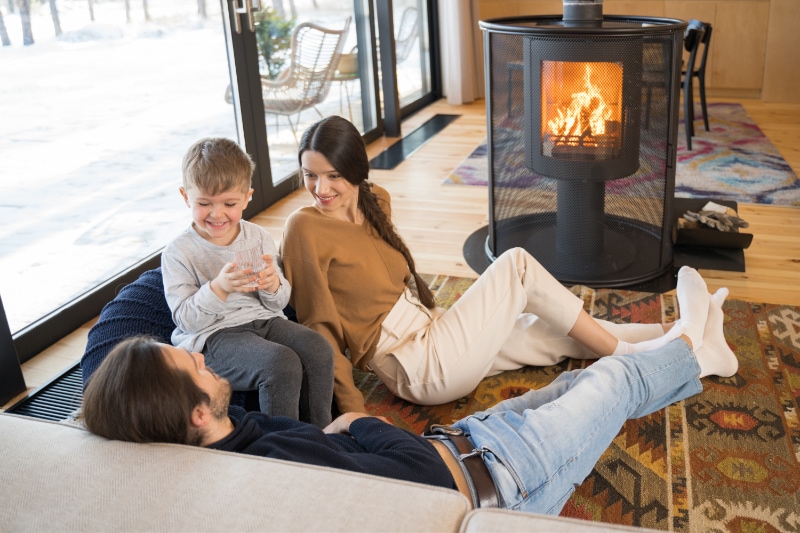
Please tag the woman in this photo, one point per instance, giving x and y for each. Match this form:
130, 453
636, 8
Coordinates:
355, 282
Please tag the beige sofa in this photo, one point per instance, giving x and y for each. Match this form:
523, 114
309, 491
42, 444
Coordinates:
59, 477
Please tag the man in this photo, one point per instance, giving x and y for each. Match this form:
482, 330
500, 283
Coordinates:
526, 453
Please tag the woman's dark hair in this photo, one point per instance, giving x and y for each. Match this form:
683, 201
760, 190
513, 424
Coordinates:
136, 395
341, 144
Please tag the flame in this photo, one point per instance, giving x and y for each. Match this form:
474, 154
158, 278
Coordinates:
584, 117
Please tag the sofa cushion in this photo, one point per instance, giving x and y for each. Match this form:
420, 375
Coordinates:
140, 308
58, 477
502, 520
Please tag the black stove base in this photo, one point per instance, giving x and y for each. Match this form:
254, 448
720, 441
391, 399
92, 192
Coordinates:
612, 252
731, 260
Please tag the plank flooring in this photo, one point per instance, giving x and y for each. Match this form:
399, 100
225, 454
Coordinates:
436, 219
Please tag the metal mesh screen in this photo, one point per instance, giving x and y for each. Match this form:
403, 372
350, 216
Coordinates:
595, 219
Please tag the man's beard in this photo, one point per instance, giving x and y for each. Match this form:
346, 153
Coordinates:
219, 409
222, 400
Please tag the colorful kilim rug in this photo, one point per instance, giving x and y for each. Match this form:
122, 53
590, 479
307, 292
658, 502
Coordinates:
727, 459
733, 161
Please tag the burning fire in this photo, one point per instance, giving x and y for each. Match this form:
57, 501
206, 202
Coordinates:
584, 118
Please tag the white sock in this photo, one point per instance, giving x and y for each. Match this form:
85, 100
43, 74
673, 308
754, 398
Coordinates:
693, 303
665, 338
715, 356
676, 331
623, 348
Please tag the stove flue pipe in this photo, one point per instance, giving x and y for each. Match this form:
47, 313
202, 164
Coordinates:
583, 12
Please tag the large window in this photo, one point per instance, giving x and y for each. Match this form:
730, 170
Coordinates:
412, 46
315, 59
99, 100
94, 124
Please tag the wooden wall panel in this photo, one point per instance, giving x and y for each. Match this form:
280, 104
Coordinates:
643, 8
704, 11
782, 66
495, 9
540, 7
490, 10
754, 47
738, 45
687, 10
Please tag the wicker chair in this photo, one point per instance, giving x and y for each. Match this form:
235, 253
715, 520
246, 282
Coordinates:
407, 33
314, 58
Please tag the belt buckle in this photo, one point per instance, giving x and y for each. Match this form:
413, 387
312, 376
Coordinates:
441, 429
482, 487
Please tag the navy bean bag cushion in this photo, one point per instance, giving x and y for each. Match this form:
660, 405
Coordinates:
140, 308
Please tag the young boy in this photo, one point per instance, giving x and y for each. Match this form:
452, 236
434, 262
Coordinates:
241, 329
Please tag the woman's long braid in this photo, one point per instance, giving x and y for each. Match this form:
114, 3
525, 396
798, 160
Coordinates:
368, 202
341, 144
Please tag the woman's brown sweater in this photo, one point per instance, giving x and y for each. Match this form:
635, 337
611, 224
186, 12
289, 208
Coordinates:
345, 279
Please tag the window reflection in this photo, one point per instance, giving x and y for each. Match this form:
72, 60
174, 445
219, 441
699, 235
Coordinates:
303, 80
95, 123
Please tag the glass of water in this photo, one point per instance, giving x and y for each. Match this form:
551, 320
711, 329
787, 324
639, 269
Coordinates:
247, 253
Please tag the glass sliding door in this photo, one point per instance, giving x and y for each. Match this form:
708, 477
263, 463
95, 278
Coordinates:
316, 59
409, 71
412, 50
95, 122
100, 100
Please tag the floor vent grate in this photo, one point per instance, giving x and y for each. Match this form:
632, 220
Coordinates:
56, 400
405, 147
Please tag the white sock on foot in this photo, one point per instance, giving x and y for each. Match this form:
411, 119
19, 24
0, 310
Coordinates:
623, 348
715, 356
693, 303
675, 331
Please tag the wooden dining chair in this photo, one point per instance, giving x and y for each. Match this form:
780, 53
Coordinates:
697, 36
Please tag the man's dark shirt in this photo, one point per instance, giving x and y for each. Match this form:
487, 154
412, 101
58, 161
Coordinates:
372, 447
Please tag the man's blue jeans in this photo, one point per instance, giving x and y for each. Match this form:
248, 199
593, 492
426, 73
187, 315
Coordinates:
541, 445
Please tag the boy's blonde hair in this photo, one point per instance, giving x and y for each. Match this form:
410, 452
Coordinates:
215, 165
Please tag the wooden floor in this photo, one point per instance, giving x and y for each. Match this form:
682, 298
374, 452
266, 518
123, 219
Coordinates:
435, 219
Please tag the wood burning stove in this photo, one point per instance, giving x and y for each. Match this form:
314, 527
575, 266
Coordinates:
582, 113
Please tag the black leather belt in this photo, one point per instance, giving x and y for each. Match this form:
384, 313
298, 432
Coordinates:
485, 491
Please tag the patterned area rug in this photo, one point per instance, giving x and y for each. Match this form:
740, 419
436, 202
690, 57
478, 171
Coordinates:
733, 161
727, 459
